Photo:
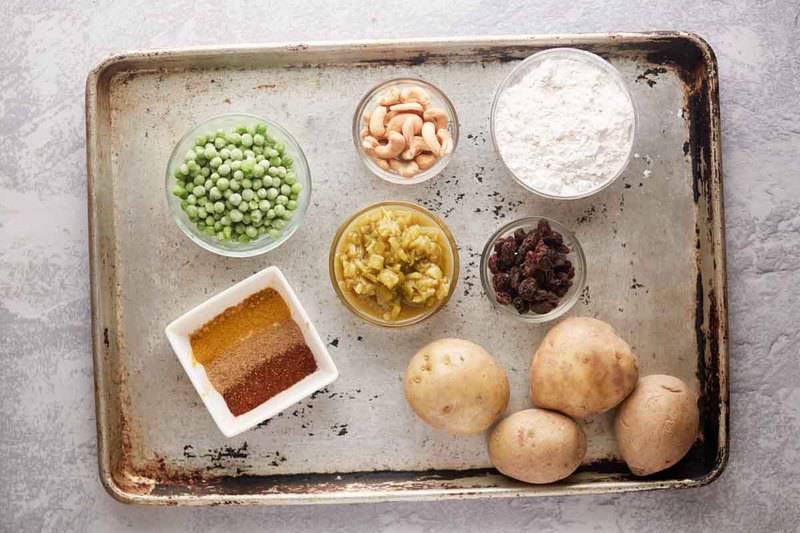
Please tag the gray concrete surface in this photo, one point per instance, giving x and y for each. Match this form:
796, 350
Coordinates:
48, 470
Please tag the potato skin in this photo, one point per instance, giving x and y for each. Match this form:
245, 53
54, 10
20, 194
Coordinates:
537, 446
456, 386
582, 368
657, 424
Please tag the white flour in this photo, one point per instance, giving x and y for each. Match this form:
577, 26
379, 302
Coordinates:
565, 128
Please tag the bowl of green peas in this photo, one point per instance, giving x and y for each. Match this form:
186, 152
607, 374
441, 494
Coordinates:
238, 185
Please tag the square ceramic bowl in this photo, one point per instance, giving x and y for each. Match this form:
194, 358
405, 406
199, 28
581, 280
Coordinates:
178, 333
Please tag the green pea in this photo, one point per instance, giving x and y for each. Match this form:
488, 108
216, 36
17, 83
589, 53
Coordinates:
225, 153
274, 233
246, 220
235, 215
247, 166
261, 128
277, 182
264, 205
255, 214
178, 173
180, 192
272, 193
227, 232
275, 161
247, 140
288, 215
223, 184
244, 207
258, 139
235, 185
291, 205
249, 154
191, 198
233, 138
198, 180
209, 230
251, 129
219, 144
251, 231
219, 207
191, 211
205, 172
280, 210
293, 196
278, 223
282, 200
235, 199
183, 168
225, 220
208, 184
199, 190
194, 168
220, 236
201, 212
239, 229
291, 178
211, 151
199, 150
270, 214
215, 162
227, 194
279, 147
286, 190
248, 194
224, 169
236, 154
210, 221
244, 239
287, 161
247, 183
236, 165
241, 128
262, 230
257, 184
253, 204
238, 175
296, 188
200, 140
261, 192
271, 152
190, 156
273, 171
282, 172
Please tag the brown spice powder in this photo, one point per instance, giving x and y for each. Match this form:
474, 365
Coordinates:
253, 351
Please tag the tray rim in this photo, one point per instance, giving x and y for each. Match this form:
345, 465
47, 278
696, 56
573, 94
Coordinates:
115, 60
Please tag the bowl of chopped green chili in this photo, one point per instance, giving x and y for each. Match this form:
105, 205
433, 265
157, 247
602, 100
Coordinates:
238, 185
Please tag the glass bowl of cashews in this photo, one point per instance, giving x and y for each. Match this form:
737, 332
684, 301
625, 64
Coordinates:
406, 130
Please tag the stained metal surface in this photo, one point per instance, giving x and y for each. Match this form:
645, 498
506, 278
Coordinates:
654, 243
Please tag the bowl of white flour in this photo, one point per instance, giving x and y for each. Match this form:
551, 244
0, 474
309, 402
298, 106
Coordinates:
563, 122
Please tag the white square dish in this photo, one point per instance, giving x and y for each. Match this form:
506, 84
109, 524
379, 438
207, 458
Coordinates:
179, 330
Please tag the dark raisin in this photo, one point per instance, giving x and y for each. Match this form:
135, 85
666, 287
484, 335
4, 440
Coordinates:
562, 249
527, 289
507, 254
503, 298
498, 245
571, 272
519, 236
516, 278
541, 308
553, 238
540, 296
542, 277
502, 282
520, 305
561, 290
543, 228
493, 264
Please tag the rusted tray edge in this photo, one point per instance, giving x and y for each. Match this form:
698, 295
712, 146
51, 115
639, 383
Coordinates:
117, 62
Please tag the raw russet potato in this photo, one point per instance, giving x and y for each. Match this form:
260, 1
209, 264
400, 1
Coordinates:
657, 424
456, 386
582, 368
537, 446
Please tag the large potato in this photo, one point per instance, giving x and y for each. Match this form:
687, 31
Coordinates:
456, 386
657, 424
582, 368
537, 446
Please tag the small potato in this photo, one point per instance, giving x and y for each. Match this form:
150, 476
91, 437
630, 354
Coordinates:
456, 386
657, 424
537, 446
582, 368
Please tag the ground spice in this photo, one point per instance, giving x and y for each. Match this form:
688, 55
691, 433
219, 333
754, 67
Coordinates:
253, 351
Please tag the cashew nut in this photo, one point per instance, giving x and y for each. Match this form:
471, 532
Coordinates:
416, 146
376, 127
366, 117
396, 124
415, 94
404, 168
410, 107
437, 115
370, 143
425, 161
364, 132
429, 135
380, 162
446, 139
395, 145
390, 97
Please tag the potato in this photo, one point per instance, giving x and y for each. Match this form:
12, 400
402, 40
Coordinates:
456, 386
537, 446
657, 424
582, 368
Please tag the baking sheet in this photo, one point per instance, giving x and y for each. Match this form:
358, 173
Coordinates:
653, 240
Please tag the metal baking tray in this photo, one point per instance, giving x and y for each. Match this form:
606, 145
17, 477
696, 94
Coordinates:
654, 242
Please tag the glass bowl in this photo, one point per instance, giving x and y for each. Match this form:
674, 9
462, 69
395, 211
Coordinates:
576, 256
347, 299
370, 101
526, 66
264, 243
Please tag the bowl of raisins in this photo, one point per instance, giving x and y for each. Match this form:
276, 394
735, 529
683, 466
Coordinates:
533, 268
